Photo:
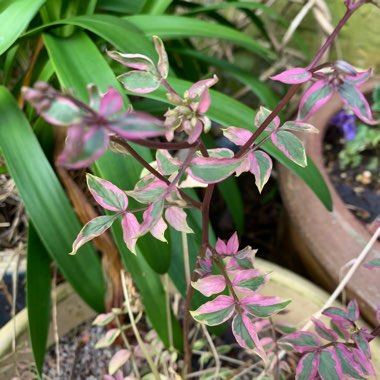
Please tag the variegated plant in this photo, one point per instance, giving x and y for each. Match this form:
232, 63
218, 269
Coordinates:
162, 200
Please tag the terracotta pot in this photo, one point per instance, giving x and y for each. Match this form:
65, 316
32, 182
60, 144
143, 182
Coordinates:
327, 241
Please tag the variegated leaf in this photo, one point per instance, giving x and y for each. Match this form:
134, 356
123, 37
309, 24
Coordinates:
118, 360
107, 194
92, 229
131, 231
215, 312
307, 367
302, 341
108, 338
262, 115
140, 82
314, 98
297, 75
261, 168
82, 147
163, 62
329, 365
299, 126
246, 334
212, 170
176, 217
355, 100
291, 146
210, 285
263, 306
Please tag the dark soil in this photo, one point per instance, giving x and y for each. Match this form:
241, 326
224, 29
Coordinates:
358, 187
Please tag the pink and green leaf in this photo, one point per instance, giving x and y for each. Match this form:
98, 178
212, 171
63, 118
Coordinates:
364, 362
355, 100
246, 334
110, 103
336, 313
131, 231
341, 329
249, 280
176, 217
158, 230
348, 363
297, 75
324, 332
210, 285
239, 136
120, 358
108, 338
106, 194
220, 153
163, 62
307, 367
362, 344
151, 216
314, 98
358, 79
262, 115
92, 229
353, 310
136, 125
230, 248
329, 365
263, 306
299, 126
212, 170
147, 191
58, 111
373, 264
198, 88
103, 319
140, 82
261, 168
242, 259
167, 164
215, 312
291, 146
82, 148
133, 61
302, 341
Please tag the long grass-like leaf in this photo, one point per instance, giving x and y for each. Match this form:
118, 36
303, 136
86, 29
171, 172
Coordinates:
46, 203
156, 7
14, 18
38, 296
172, 27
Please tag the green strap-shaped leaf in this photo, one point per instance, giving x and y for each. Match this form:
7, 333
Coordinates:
172, 27
156, 7
14, 18
121, 6
46, 203
228, 111
235, 4
87, 65
38, 296
124, 35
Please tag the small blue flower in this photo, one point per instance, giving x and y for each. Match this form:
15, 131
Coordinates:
346, 121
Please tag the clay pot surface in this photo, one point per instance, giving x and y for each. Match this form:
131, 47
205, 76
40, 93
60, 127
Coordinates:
328, 241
